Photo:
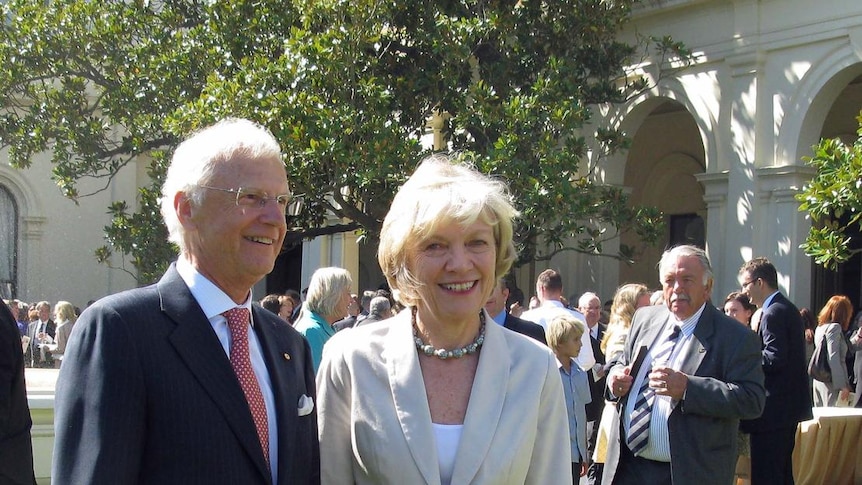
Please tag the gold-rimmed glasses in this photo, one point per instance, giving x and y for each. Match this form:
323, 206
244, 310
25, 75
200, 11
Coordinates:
253, 198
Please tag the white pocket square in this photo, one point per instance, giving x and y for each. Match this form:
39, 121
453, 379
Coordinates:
306, 405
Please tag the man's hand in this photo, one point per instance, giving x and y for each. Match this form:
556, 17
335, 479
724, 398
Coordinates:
619, 384
668, 382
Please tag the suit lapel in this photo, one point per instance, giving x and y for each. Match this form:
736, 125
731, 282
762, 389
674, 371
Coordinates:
201, 351
486, 405
701, 341
409, 396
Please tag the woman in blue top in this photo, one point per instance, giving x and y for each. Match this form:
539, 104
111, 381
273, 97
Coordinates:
326, 303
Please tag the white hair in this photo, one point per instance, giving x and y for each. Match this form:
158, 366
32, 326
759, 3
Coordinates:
195, 159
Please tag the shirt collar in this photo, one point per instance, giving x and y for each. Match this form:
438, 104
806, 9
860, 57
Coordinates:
556, 303
212, 300
500, 318
769, 299
688, 325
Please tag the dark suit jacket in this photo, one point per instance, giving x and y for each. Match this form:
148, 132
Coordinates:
597, 387
146, 394
525, 327
347, 322
725, 383
34, 355
16, 451
782, 337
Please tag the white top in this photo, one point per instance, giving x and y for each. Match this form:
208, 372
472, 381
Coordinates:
447, 437
213, 301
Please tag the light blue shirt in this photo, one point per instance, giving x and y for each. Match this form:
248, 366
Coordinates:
213, 301
768, 300
317, 331
576, 390
500, 318
658, 446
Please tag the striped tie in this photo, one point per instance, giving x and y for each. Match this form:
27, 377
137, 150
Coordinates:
638, 436
237, 322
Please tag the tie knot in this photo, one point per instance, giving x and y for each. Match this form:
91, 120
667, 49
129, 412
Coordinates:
237, 320
675, 333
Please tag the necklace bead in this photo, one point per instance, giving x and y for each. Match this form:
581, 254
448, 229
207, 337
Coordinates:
444, 354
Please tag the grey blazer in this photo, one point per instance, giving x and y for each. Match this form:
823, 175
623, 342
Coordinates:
725, 384
375, 423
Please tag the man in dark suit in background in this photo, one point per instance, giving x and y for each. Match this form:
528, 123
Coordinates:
782, 334
41, 332
680, 408
591, 306
496, 307
185, 380
16, 450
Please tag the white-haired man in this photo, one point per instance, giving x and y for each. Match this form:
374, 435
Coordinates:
185, 380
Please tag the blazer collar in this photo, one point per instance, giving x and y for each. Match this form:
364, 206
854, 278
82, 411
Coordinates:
199, 348
411, 400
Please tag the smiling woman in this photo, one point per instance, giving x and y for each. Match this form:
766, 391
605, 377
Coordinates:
440, 393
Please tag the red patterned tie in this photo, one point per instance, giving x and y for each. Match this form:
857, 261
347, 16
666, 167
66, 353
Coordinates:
237, 322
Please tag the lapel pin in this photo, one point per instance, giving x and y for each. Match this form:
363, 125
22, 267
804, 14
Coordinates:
286, 356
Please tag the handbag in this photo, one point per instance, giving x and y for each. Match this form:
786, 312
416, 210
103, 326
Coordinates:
818, 367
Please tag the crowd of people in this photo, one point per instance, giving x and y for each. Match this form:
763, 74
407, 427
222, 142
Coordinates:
441, 375
44, 330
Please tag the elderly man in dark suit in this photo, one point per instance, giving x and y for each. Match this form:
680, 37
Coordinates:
696, 373
590, 305
782, 336
496, 307
185, 381
16, 450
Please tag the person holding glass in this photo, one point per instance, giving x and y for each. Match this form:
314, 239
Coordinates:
440, 394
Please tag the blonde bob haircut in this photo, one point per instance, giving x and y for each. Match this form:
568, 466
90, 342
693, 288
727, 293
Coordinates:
440, 192
563, 327
65, 311
325, 290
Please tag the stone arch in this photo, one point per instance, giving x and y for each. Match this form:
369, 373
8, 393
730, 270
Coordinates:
815, 95
630, 116
30, 221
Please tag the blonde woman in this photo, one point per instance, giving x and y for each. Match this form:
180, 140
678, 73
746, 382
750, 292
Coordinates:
627, 299
440, 394
64, 317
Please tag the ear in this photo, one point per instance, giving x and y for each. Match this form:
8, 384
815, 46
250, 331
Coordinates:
184, 208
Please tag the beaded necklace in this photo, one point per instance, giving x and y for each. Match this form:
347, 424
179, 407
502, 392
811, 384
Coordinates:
444, 354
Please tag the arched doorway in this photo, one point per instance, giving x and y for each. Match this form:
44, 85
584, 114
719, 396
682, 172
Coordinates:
841, 123
8, 244
665, 155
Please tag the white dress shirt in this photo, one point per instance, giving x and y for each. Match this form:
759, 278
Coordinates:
213, 301
658, 446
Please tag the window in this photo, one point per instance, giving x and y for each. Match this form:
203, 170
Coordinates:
8, 244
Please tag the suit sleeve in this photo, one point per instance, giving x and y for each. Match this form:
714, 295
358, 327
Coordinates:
9, 345
837, 347
334, 398
776, 339
740, 393
552, 456
99, 416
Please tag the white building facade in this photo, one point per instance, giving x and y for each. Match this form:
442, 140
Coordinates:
718, 145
